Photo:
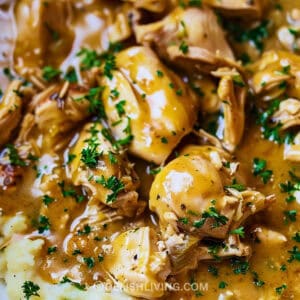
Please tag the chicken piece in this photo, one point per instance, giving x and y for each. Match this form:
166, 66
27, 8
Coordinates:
10, 111
106, 174
276, 73
190, 38
232, 92
156, 6
57, 110
147, 105
239, 8
118, 23
193, 196
288, 113
139, 263
44, 36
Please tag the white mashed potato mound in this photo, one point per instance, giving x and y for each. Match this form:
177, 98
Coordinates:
17, 265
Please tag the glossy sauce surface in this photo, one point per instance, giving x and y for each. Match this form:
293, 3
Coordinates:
267, 258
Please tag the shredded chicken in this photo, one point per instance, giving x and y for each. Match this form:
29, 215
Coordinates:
190, 38
276, 73
137, 264
232, 93
92, 168
192, 196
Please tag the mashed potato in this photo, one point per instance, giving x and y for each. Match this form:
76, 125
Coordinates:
17, 265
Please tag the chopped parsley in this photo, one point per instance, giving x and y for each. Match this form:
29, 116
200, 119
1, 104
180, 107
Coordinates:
89, 261
8, 74
112, 158
43, 224
259, 169
296, 237
290, 215
184, 48
213, 270
238, 231
79, 286
239, 266
223, 284
95, 100
213, 214
30, 289
159, 73
128, 138
255, 35
113, 184
294, 254
14, 156
71, 157
256, 281
279, 290
238, 81
120, 108
164, 140
71, 76
236, 186
90, 155
47, 200
87, 229
49, 73
52, 249
70, 192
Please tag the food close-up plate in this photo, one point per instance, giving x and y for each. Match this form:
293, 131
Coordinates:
149, 149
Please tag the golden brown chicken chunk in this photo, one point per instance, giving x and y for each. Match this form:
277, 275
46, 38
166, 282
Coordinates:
139, 263
190, 38
194, 195
147, 105
57, 110
43, 34
277, 72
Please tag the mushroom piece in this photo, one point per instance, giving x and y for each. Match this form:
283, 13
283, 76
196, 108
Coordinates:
190, 38
246, 8
193, 196
104, 172
232, 92
10, 111
276, 73
148, 107
57, 110
139, 263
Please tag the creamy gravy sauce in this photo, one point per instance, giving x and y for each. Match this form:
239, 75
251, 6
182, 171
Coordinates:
266, 259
